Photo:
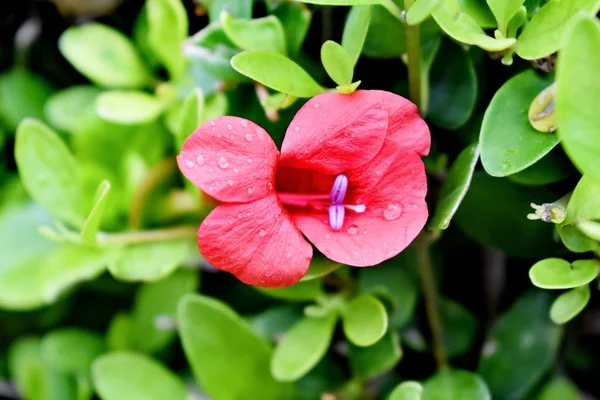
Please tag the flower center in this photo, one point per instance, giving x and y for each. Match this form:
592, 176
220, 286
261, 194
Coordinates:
334, 202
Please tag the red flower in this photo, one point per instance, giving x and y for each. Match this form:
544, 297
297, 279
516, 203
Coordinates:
349, 177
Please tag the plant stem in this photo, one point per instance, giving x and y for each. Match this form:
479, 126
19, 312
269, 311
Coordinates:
156, 235
422, 248
413, 49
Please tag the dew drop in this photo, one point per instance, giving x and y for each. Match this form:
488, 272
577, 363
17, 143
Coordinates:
364, 232
392, 212
249, 160
276, 216
210, 170
390, 254
230, 182
269, 186
352, 230
327, 236
262, 233
236, 171
200, 159
223, 163
297, 128
189, 164
231, 137
381, 125
317, 105
244, 123
230, 221
249, 190
248, 214
239, 215
249, 137
229, 126
378, 173
212, 123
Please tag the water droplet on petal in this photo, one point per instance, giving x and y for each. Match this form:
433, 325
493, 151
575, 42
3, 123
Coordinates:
229, 126
352, 230
390, 254
378, 173
262, 233
236, 171
381, 125
249, 160
189, 164
364, 232
276, 216
392, 212
210, 170
297, 128
249, 190
249, 137
248, 214
244, 123
200, 159
222, 163
269, 186
327, 236
230, 182
317, 105
212, 123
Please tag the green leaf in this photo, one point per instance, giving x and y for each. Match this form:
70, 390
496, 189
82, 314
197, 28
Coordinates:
521, 347
560, 388
462, 27
455, 384
126, 376
92, 223
590, 229
105, 56
509, 143
71, 351
295, 18
420, 10
355, 31
455, 187
191, 116
543, 35
275, 321
584, 204
255, 34
277, 72
517, 21
301, 291
459, 325
576, 107
22, 95
302, 347
70, 108
128, 107
409, 390
49, 171
385, 36
479, 11
551, 168
367, 362
37, 282
218, 345
238, 8
566, 306
556, 273
320, 267
149, 261
337, 63
504, 10
167, 29
341, 2
503, 205
453, 87
119, 336
364, 320
155, 300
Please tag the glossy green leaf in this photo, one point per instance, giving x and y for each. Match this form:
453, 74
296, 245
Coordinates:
367, 362
460, 327
302, 347
341, 2
480, 11
503, 205
556, 273
218, 344
37, 282
584, 204
504, 10
49, 171
521, 347
409, 390
576, 107
301, 291
295, 18
337, 63
455, 384
238, 8
320, 267
420, 10
92, 223
277, 72
559, 388
385, 35
149, 261
455, 187
551, 168
275, 321
105, 56
566, 306
590, 229
167, 28
128, 107
157, 300
68, 109
543, 35
517, 21
71, 351
355, 31
509, 143
462, 27
22, 95
191, 116
119, 336
126, 376
255, 34
364, 320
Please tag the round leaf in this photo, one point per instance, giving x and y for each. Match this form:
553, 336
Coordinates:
569, 304
556, 273
255, 34
504, 10
67, 110
584, 204
126, 376
420, 10
364, 320
355, 31
105, 56
71, 351
385, 36
509, 143
455, 384
295, 18
409, 390
559, 388
551, 168
337, 62
128, 107
92, 223
301, 291
367, 362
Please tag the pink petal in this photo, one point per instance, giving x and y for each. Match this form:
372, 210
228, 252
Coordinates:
257, 242
336, 132
393, 188
231, 159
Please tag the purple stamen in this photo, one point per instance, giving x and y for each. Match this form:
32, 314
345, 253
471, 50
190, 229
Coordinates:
338, 191
336, 216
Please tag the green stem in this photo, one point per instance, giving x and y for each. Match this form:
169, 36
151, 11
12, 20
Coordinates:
156, 235
413, 49
422, 248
